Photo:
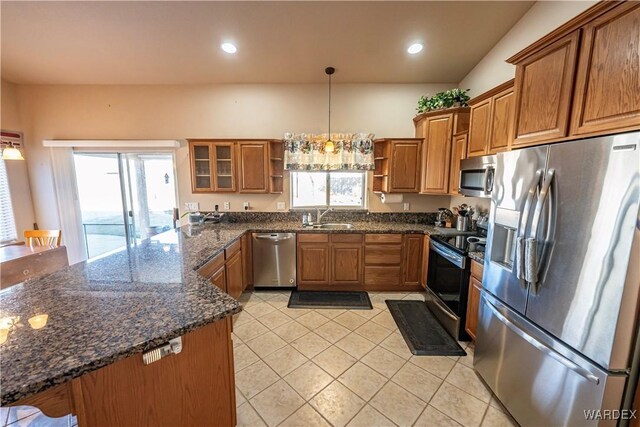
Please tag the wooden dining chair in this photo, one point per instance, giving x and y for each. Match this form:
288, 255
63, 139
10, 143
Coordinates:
43, 237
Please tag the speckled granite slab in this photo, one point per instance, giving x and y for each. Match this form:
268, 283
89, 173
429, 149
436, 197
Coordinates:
128, 302
478, 256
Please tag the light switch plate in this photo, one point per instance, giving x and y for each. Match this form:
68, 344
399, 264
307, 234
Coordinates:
192, 206
281, 206
226, 206
245, 205
406, 206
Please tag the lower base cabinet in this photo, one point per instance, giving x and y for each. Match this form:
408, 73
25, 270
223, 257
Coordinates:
473, 301
234, 273
226, 270
355, 261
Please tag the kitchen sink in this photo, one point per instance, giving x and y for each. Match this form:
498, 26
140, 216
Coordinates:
334, 226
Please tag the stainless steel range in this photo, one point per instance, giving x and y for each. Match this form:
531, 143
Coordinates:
558, 322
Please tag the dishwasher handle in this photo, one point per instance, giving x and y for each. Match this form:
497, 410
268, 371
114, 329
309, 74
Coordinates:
273, 237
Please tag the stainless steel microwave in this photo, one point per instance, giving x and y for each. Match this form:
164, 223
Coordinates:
476, 176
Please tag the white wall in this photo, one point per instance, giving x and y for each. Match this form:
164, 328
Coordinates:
213, 111
17, 171
541, 19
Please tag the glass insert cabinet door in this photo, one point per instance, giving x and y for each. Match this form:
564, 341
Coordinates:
213, 166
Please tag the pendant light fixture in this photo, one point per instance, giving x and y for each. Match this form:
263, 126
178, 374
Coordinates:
10, 152
329, 147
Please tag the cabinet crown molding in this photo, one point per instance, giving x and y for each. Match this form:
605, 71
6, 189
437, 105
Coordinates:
443, 112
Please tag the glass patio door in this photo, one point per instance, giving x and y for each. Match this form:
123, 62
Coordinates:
124, 198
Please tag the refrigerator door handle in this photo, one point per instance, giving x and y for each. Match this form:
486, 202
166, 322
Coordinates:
524, 220
542, 347
531, 246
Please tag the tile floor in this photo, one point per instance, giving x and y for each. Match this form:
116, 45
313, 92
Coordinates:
297, 367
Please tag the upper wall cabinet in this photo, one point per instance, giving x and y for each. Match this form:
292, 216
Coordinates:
582, 79
438, 128
491, 122
229, 166
397, 165
607, 95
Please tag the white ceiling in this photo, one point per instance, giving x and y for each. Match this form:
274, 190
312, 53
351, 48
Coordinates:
178, 42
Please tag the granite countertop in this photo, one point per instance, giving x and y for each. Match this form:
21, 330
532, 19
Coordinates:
478, 256
126, 303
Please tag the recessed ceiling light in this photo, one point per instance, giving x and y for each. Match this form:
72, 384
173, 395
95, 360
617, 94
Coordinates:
415, 48
229, 47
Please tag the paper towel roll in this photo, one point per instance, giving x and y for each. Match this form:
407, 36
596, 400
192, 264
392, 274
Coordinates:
391, 198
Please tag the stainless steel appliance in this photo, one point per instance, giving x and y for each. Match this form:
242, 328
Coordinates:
557, 333
274, 260
476, 176
448, 279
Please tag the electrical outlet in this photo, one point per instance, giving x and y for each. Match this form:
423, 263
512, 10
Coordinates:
226, 206
281, 206
245, 205
406, 206
192, 206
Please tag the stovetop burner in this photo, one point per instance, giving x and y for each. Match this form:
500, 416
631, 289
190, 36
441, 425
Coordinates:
459, 242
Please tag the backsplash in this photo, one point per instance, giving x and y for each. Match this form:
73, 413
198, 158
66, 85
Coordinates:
335, 216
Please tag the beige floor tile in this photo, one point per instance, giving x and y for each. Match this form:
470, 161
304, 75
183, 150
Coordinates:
294, 313
466, 379
266, 344
255, 378
280, 305
266, 295
277, 403
418, 296
332, 332
373, 332
310, 344
236, 340
308, 380
239, 398
355, 345
385, 319
496, 418
241, 318
312, 320
397, 404
417, 381
367, 314
250, 330
243, 357
274, 319
259, 309
461, 406
369, 417
249, 297
330, 313
350, 320
285, 360
383, 361
468, 359
439, 366
248, 417
396, 344
337, 404
381, 305
291, 331
334, 361
305, 417
362, 380
431, 417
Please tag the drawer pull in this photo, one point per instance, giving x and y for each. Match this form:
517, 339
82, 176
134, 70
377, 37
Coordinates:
174, 346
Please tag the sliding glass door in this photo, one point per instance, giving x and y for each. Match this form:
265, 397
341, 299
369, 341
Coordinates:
124, 198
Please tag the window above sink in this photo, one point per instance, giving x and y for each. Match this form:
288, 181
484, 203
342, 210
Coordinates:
337, 189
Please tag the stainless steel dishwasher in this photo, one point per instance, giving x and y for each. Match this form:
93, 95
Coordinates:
274, 260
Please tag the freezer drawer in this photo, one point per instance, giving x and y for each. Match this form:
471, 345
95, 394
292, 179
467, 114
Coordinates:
539, 380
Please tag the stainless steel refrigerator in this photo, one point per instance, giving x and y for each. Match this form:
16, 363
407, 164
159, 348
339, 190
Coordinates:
558, 317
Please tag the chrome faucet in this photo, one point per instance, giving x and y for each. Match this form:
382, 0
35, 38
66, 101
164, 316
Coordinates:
321, 214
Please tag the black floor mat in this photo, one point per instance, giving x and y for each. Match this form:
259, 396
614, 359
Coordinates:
421, 330
321, 299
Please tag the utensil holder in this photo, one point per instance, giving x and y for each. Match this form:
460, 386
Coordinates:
463, 223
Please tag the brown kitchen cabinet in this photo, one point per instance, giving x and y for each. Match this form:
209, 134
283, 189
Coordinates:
412, 259
491, 121
437, 128
253, 166
201, 157
473, 301
607, 90
234, 275
276, 167
425, 261
314, 260
458, 152
397, 165
219, 279
212, 166
346, 259
247, 261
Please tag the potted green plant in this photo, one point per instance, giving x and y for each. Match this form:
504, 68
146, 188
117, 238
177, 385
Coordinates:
447, 99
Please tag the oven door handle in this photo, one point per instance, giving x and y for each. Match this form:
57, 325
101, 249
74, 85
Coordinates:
458, 261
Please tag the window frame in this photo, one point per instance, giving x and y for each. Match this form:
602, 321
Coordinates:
362, 206
8, 206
